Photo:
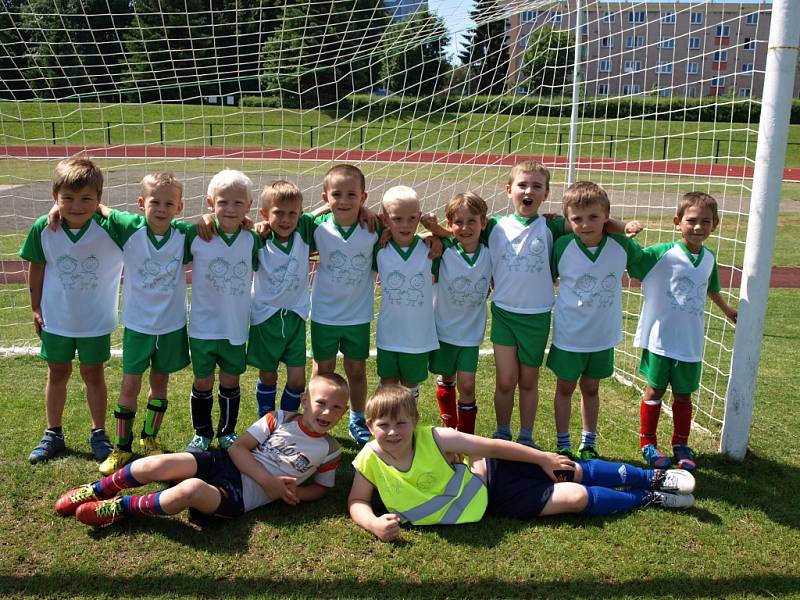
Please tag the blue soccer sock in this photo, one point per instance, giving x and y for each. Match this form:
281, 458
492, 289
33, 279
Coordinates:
265, 397
605, 501
588, 438
563, 440
147, 504
290, 399
525, 435
612, 474
503, 432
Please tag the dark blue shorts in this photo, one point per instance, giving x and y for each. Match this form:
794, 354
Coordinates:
216, 468
519, 490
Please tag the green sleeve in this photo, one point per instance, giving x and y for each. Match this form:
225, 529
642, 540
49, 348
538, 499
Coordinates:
182, 226
649, 257
556, 226
490, 223
558, 251
191, 234
305, 227
713, 279
121, 225
435, 263
32, 250
322, 218
375, 249
258, 243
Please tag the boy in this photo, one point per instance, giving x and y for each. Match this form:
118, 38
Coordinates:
587, 319
459, 303
278, 453
406, 326
280, 300
417, 482
74, 277
219, 316
676, 277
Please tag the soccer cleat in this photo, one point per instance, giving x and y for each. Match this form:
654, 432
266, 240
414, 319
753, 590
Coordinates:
529, 443
50, 445
226, 441
655, 457
359, 431
587, 452
115, 461
101, 445
68, 503
668, 500
198, 444
501, 435
684, 457
103, 512
565, 451
676, 481
149, 446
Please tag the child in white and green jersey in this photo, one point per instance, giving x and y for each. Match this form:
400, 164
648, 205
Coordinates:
280, 301
676, 278
74, 276
219, 315
587, 318
406, 325
459, 303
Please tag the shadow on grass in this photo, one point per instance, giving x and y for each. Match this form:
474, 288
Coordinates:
685, 586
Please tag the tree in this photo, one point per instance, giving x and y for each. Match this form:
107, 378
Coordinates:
13, 85
486, 52
548, 60
416, 61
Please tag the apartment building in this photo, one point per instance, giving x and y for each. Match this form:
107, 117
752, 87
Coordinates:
686, 49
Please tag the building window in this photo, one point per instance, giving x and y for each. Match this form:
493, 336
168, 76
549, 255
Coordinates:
696, 18
749, 44
605, 66
584, 29
691, 92
752, 19
668, 17
602, 89
522, 90
607, 42
528, 16
718, 82
664, 68
633, 88
692, 68
632, 65
637, 16
609, 17
665, 93
522, 43
747, 69
554, 16
720, 56
723, 31
634, 41
744, 92
694, 43
666, 43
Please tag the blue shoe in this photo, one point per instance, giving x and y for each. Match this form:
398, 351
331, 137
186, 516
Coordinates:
655, 457
198, 444
529, 443
226, 441
500, 435
101, 445
359, 431
684, 457
50, 445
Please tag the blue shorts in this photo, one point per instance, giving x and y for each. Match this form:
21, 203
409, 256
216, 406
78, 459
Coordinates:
217, 469
519, 490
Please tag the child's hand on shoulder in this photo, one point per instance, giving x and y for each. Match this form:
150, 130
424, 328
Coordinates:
633, 228
386, 236
263, 229
435, 246
205, 227
386, 527
368, 219
429, 220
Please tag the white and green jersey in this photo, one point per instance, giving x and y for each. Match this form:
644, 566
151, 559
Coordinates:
460, 293
154, 286
344, 287
222, 275
588, 310
405, 319
675, 283
282, 278
521, 250
81, 276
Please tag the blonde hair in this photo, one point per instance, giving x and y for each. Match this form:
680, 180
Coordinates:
230, 178
76, 173
470, 200
280, 191
160, 179
585, 193
334, 379
343, 171
391, 402
700, 199
529, 166
399, 194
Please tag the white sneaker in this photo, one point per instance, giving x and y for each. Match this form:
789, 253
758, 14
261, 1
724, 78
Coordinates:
676, 481
668, 500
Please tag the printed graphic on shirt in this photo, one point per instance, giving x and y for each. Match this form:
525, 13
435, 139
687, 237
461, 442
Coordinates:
156, 275
348, 271
684, 297
531, 260
285, 453
401, 290
284, 278
462, 292
227, 279
589, 293
77, 276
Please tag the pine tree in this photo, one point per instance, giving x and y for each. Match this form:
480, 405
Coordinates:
547, 62
486, 52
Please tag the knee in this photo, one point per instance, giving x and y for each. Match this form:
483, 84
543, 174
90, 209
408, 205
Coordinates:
466, 387
59, 372
188, 489
574, 497
93, 374
227, 380
296, 381
268, 377
565, 388
354, 368
590, 388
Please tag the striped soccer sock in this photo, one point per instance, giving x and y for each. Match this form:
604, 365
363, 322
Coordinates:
146, 504
290, 399
110, 486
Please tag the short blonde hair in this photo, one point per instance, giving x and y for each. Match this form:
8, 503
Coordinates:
585, 193
334, 379
529, 166
280, 190
160, 179
76, 173
230, 178
399, 194
343, 171
391, 402
700, 199
470, 200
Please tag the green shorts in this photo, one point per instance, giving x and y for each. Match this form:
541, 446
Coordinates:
60, 349
327, 340
527, 333
569, 366
660, 372
207, 354
449, 359
281, 338
409, 368
167, 353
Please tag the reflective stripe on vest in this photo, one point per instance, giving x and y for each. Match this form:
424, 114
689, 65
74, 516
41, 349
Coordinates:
459, 503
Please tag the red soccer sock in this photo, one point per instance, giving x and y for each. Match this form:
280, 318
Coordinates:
649, 413
466, 417
681, 422
446, 398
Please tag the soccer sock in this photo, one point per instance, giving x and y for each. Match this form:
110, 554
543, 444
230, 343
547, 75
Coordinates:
124, 436
153, 417
563, 440
146, 504
613, 474
681, 422
446, 399
228, 410
290, 399
649, 413
201, 403
503, 432
466, 417
110, 486
588, 438
59, 431
265, 397
605, 501
525, 435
